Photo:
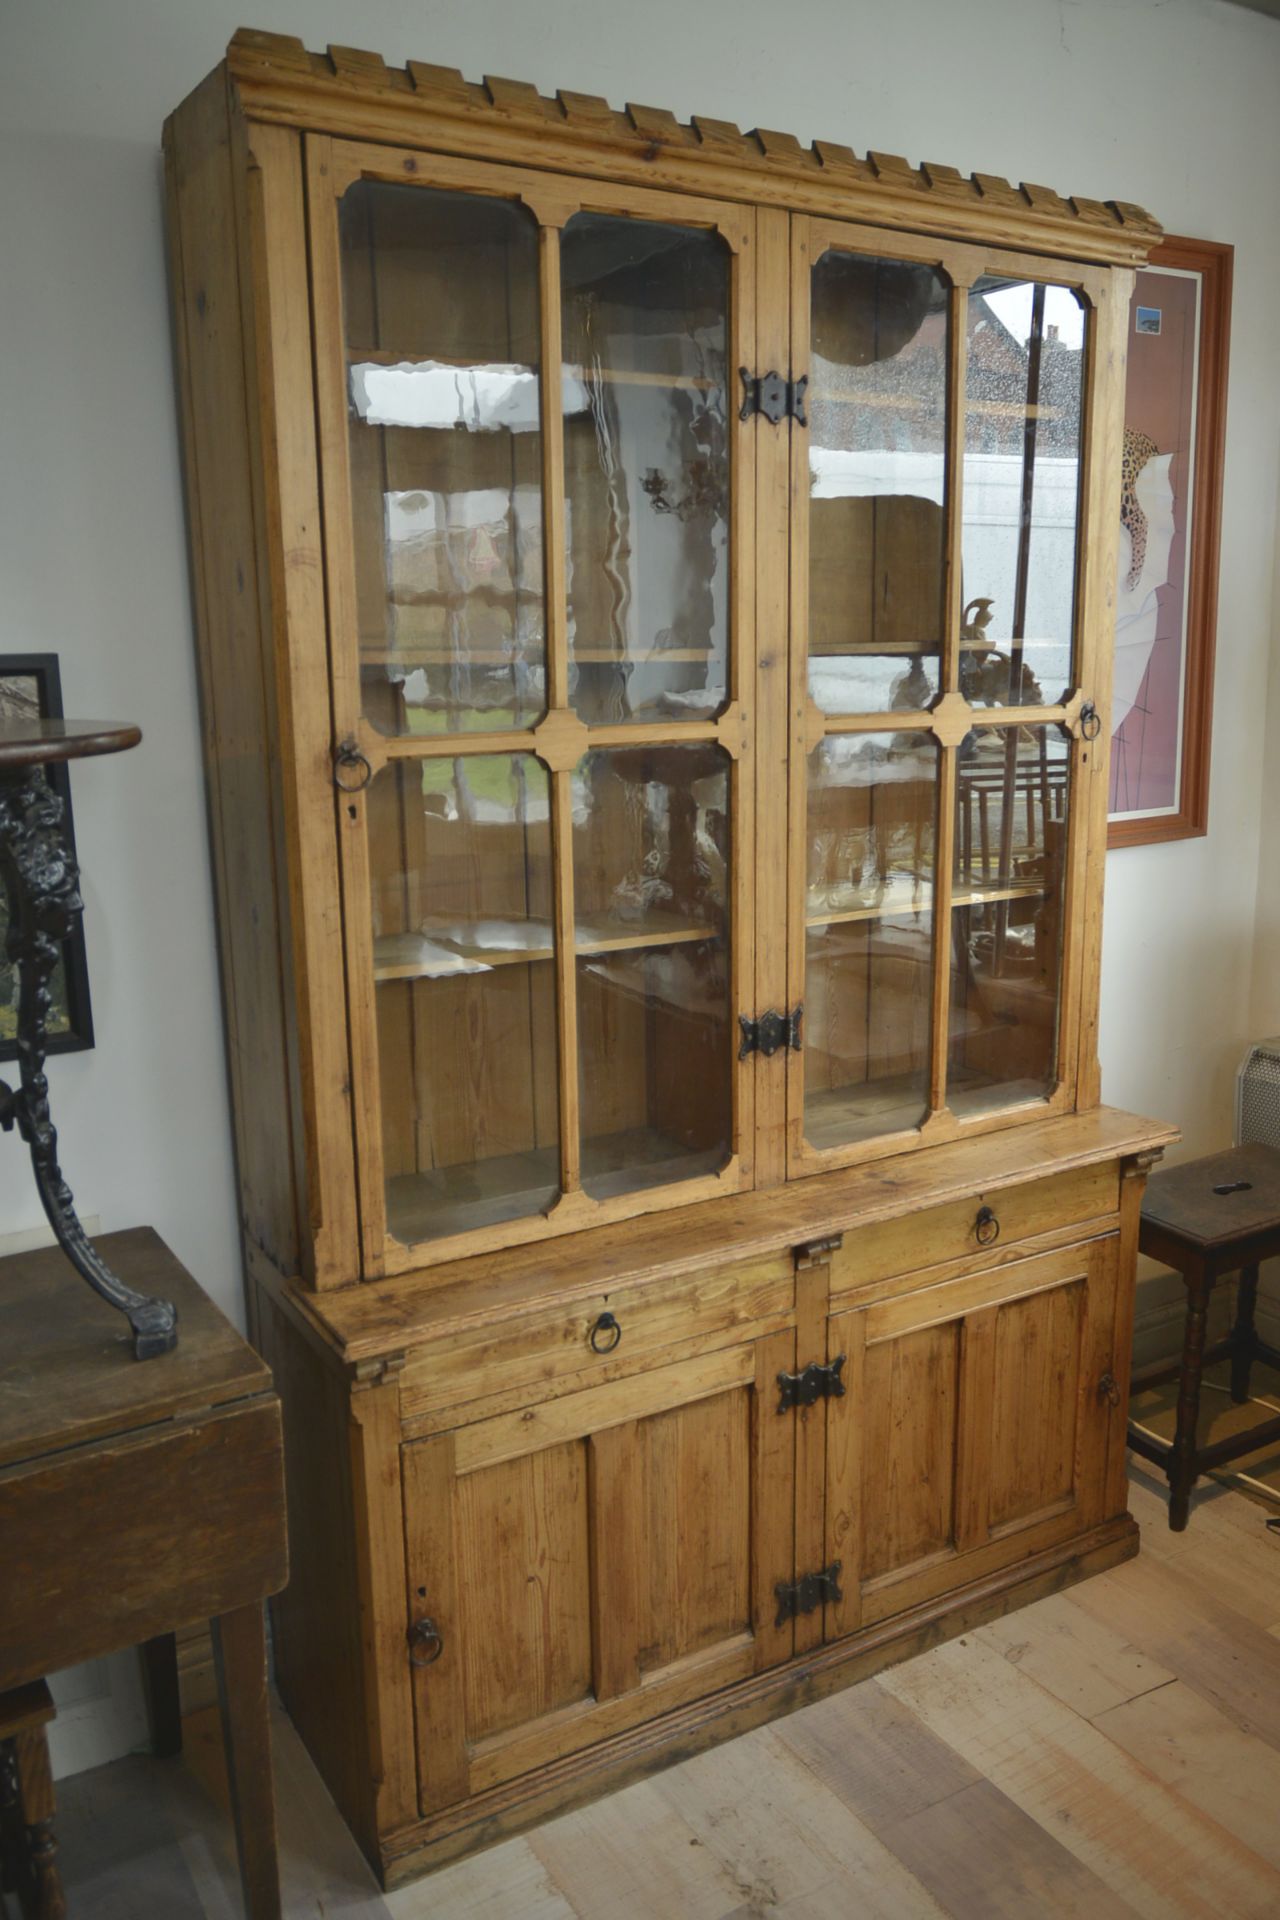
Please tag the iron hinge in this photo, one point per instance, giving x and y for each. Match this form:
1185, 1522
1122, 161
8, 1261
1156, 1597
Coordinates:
815, 1383
774, 397
770, 1032
803, 1595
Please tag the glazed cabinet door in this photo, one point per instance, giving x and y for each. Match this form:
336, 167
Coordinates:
975, 1429
537, 492
944, 661
580, 1566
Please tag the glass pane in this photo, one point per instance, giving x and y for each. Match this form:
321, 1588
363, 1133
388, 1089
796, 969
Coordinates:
869, 935
1022, 455
877, 405
440, 299
460, 870
1006, 946
651, 896
646, 448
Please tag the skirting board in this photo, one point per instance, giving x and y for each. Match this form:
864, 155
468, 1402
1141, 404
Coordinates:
615, 1763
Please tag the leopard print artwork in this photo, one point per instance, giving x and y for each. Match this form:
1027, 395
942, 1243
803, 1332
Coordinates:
1138, 449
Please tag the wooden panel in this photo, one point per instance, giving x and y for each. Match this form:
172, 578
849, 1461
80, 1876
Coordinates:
1036, 1363
549, 1350
698, 1526
510, 1435
925, 1239
523, 1564
431, 1566
127, 1504
621, 1610
320, 1663
622, 1565
983, 1436
237, 712
910, 1386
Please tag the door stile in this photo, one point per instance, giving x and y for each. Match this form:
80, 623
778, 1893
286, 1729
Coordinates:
806, 725
845, 1421
274, 233
344, 667
560, 775
774, 699
773, 1515
953, 615
750, 910
1104, 437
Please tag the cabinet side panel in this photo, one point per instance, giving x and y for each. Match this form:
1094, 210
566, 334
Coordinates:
235, 710
318, 1642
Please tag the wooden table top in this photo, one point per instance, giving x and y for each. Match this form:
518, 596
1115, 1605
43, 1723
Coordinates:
67, 1373
1182, 1200
35, 743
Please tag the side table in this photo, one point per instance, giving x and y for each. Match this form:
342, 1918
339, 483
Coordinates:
138, 1499
1208, 1219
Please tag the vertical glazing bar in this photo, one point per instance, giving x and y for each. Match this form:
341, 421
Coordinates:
953, 593
561, 782
944, 861
953, 610
551, 403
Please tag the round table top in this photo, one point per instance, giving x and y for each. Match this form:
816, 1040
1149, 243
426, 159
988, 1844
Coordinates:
34, 743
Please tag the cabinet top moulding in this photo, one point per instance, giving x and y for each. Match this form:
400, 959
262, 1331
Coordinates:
348, 92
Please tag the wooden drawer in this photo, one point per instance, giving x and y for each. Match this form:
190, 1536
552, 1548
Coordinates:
939, 1235
477, 1371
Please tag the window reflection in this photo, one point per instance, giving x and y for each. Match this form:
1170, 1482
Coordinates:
877, 471
1024, 387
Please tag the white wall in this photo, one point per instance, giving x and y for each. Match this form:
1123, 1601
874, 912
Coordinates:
1171, 103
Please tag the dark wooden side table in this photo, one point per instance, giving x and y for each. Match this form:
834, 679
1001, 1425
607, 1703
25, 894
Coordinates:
1209, 1219
138, 1499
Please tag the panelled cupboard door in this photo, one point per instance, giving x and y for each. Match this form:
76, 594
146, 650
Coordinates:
941, 667
581, 1566
974, 1428
538, 501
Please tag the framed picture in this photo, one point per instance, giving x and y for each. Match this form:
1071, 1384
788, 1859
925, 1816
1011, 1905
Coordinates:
1170, 514
31, 689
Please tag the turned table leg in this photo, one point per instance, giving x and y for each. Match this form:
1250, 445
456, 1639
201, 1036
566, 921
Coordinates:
1244, 1336
240, 1657
1182, 1459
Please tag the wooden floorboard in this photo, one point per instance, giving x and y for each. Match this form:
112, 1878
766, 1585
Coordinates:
1113, 1750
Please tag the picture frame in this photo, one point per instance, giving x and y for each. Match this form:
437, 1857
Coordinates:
31, 688
1171, 512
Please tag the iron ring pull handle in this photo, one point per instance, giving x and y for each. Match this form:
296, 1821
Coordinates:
986, 1228
349, 756
426, 1643
1090, 721
1109, 1390
607, 1326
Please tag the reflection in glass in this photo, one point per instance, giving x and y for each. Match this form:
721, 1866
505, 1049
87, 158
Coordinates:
440, 299
877, 405
1022, 461
869, 935
1006, 949
651, 893
460, 879
646, 467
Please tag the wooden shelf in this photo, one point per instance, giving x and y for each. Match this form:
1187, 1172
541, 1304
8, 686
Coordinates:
429, 654
613, 376
922, 649
917, 897
437, 950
